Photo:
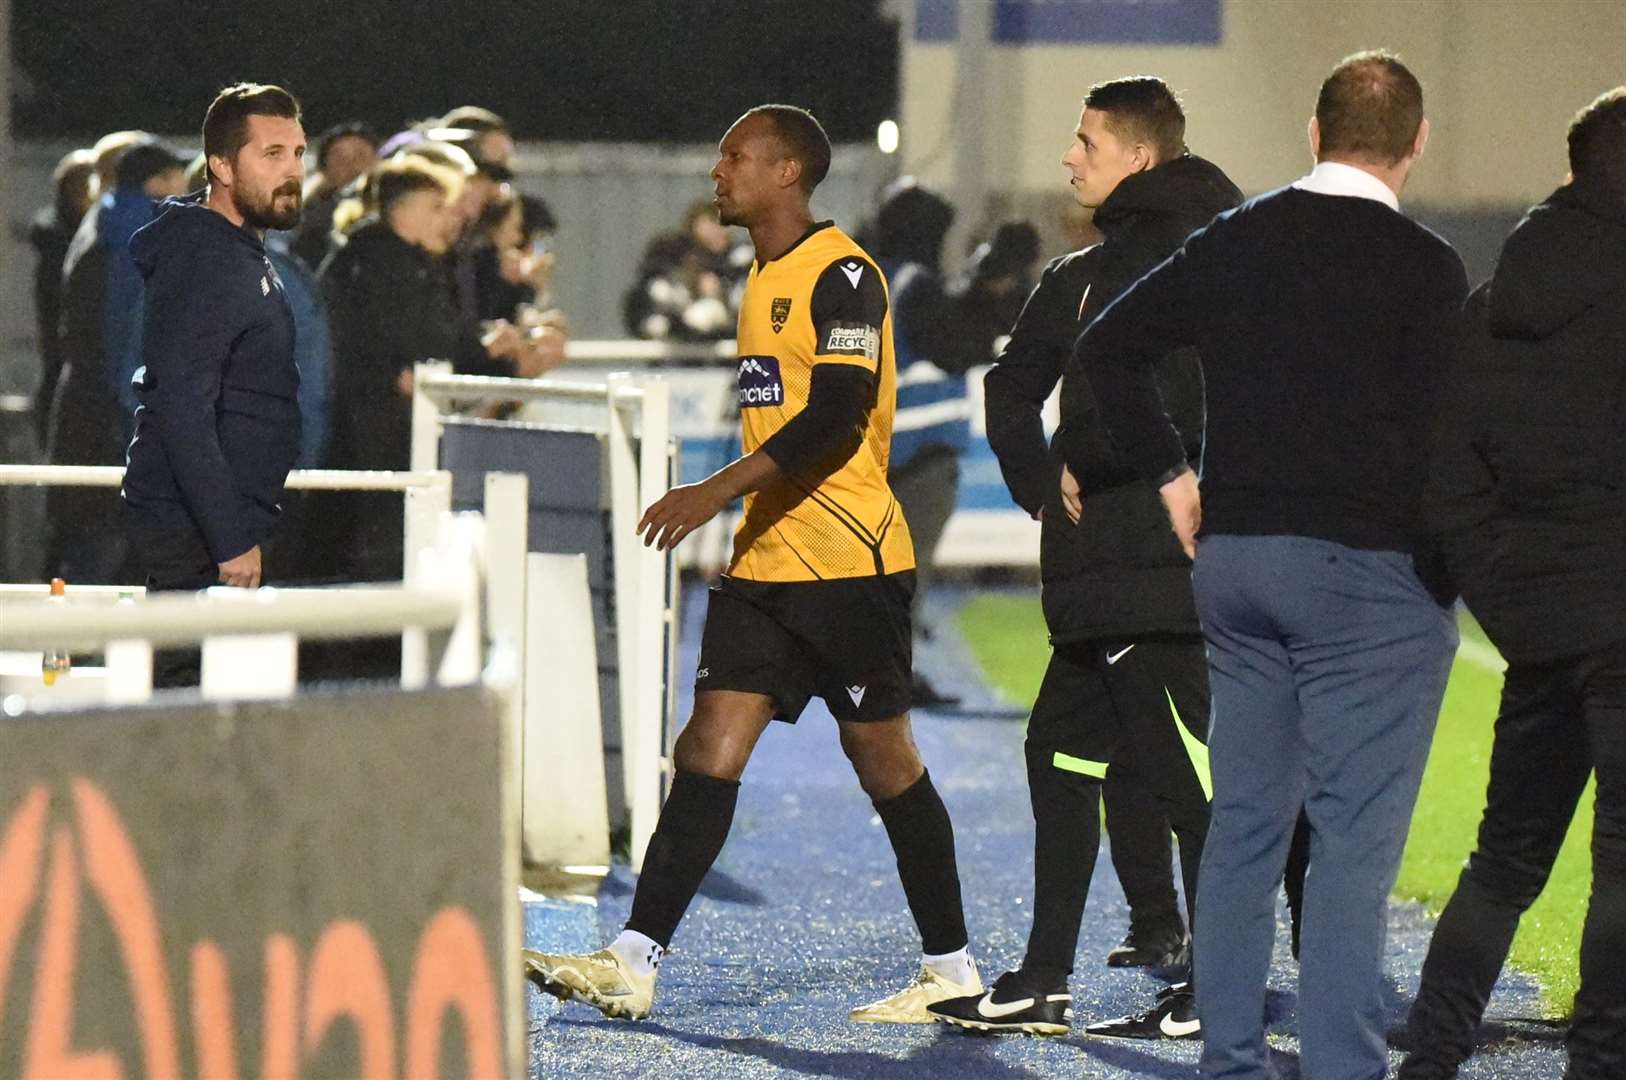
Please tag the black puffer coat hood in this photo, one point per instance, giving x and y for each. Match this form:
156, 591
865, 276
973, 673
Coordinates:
1566, 257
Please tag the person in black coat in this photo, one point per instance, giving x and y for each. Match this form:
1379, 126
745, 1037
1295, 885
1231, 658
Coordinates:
1116, 586
391, 305
1528, 496
344, 154
50, 233
217, 424
99, 336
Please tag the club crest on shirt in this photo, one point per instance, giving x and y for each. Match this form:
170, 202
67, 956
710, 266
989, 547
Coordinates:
780, 312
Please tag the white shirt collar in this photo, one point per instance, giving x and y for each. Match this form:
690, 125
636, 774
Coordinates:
1336, 178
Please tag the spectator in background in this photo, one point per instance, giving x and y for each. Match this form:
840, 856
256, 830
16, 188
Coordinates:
344, 154
940, 333
494, 142
92, 405
105, 154
107, 151
50, 233
511, 272
1527, 497
537, 226
689, 282
313, 348
391, 306
449, 147
1000, 277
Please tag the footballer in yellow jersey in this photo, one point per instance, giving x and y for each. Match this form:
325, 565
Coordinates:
816, 600
821, 302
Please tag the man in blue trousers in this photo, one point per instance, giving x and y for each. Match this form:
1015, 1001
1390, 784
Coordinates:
1324, 319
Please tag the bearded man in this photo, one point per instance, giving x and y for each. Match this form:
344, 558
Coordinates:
217, 422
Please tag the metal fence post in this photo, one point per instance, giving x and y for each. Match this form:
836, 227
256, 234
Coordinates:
425, 508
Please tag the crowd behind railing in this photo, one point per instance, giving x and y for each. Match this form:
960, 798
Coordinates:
420, 246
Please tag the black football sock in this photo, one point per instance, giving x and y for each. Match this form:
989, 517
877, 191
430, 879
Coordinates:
1066, 840
922, 838
691, 830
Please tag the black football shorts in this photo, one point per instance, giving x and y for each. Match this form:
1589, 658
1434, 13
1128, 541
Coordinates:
847, 640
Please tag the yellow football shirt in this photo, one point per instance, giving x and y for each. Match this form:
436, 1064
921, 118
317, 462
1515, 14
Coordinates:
822, 302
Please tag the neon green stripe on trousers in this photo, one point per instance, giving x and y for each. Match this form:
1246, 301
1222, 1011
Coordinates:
1196, 750
1069, 763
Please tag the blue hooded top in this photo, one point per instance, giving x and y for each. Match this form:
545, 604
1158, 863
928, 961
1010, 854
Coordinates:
122, 214
313, 348
218, 424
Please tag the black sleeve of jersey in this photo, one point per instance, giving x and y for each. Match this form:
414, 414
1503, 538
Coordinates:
848, 308
829, 430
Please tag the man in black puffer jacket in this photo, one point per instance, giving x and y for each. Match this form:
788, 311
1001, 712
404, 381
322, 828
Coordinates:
1127, 681
1528, 496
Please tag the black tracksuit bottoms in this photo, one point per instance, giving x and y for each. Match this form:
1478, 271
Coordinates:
1559, 723
1096, 698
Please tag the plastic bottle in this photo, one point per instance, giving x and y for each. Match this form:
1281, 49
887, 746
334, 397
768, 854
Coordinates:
55, 662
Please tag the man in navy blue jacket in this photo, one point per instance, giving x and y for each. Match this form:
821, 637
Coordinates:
1324, 319
217, 426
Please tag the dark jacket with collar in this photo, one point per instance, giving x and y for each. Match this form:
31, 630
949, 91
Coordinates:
217, 425
1527, 493
1119, 572
1325, 323
49, 233
89, 416
99, 334
390, 305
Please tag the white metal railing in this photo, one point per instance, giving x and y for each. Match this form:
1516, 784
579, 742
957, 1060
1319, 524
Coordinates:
250, 638
322, 614
633, 413
428, 496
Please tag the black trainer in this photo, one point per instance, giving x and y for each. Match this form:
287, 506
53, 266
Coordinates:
1173, 1017
1015, 1003
1164, 945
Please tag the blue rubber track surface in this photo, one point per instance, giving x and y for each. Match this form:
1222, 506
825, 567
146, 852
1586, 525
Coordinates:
802, 918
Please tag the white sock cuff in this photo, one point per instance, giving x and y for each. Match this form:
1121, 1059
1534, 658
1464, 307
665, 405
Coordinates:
956, 965
640, 952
